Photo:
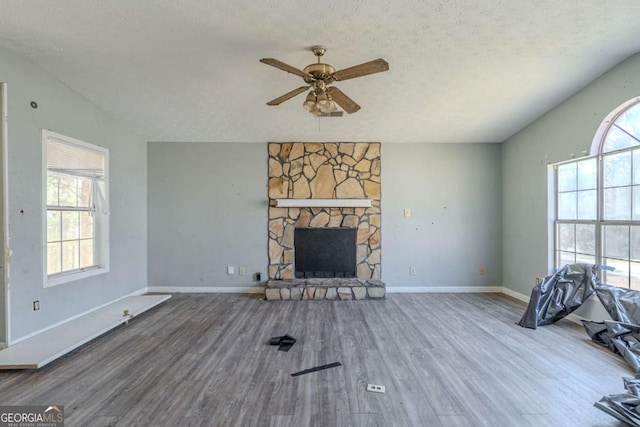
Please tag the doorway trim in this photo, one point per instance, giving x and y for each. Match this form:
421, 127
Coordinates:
4, 217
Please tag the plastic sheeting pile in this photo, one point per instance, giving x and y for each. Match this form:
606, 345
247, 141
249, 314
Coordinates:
622, 334
626, 406
560, 294
566, 290
623, 305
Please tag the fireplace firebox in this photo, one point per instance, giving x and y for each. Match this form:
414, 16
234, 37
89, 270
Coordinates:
325, 252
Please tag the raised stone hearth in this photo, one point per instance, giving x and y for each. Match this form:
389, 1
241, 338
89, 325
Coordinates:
325, 289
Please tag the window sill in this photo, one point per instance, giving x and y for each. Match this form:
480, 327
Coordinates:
50, 281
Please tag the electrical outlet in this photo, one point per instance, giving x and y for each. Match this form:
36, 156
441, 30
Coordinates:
36, 305
375, 388
242, 271
482, 271
412, 271
229, 269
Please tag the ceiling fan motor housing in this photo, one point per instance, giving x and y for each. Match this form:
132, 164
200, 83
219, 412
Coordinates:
319, 71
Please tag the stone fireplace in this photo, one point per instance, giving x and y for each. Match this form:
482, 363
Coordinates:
304, 173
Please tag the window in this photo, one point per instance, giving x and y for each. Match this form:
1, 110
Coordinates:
76, 209
597, 201
619, 130
576, 212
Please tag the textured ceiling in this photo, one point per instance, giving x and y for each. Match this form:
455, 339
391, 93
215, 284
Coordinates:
460, 71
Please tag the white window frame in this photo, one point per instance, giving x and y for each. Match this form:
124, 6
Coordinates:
595, 222
600, 223
605, 126
101, 217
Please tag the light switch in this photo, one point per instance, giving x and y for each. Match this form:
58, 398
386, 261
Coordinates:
407, 212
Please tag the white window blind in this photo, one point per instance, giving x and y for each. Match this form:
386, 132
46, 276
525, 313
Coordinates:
73, 160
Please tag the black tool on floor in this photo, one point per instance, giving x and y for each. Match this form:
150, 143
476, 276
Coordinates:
317, 368
285, 342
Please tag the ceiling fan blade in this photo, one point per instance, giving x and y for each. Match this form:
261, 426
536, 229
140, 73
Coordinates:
346, 103
365, 69
286, 67
279, 100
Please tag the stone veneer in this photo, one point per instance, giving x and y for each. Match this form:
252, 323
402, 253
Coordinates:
325, 289
324, 171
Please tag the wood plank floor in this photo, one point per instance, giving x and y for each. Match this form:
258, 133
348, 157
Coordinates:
445, 360
41, 349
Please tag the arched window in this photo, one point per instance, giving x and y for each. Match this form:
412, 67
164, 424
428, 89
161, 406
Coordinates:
619, 130
597, 201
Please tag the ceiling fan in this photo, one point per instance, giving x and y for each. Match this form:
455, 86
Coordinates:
323, 97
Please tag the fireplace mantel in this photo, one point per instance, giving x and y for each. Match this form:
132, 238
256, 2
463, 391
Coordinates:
323, 203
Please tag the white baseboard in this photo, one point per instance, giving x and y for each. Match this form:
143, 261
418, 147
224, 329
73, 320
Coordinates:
443, 289
516, 295
575, 318
25, 337
207, 289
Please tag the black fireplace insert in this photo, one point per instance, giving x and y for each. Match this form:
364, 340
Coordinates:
325, 252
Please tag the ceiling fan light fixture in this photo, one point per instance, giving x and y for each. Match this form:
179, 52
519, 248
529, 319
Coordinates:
322, 98
325, 103
315, 111
310, 103
328, 106
318, 103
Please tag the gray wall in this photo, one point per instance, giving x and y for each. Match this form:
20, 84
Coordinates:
453, 191
62, 110
568, 128
208, 209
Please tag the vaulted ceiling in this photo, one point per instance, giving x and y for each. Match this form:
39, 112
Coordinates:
460, 70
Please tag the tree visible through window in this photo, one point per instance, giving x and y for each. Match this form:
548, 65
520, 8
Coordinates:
70, 225
597, 199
